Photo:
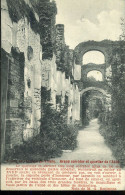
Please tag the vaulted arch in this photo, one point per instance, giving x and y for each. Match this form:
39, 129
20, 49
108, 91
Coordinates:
95, 89
105, 47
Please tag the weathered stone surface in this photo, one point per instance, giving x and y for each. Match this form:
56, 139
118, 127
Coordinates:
90, 67
14, 132
64, 55
34, 59
104, 46
47, 11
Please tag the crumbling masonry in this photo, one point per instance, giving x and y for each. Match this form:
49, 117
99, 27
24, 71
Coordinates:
34, 55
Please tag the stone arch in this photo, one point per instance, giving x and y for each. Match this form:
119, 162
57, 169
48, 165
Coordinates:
100, 73
86, 101
94, 89
92, 67
104, 47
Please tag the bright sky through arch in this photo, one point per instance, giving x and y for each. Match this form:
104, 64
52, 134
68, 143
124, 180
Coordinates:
95, 57
96, 74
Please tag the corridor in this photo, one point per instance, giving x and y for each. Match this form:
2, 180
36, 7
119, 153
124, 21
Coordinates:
91, 145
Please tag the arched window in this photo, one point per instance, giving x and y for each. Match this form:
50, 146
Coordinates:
95, 57
94, 75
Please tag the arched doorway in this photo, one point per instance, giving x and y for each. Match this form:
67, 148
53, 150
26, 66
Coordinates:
92, 104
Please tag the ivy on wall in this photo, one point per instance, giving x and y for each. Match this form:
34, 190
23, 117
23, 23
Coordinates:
19, 9
46, 28
65, 62
47, 11
113, 122
55, 135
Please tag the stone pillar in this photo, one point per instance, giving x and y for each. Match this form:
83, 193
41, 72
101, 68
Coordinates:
59, 46
60, 40
47, 13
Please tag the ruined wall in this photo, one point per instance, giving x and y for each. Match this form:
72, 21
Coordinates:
60, 47
60, 87
4, 87
47, 11
58, 59
29, 43
104, 46
13, 81
35, 56
76, 114
90, 67
14, 120
64, 55
24, 39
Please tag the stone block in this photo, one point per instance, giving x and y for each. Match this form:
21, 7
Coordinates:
14, 103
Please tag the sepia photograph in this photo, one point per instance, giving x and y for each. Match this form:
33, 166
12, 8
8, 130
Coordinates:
63, 95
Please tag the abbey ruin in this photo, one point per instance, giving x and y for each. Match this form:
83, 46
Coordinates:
35, 56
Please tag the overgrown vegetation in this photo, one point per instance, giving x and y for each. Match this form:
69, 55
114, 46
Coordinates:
47, 11
19, 9
55, 135
113, 122
65, 62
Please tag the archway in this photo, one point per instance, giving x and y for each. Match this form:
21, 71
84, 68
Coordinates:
92, 104
94, 75
94, 56
105, 47
102, 91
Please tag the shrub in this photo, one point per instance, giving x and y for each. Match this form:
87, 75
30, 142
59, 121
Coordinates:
109, 129
55, 135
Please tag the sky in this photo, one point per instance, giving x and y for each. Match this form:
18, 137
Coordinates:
89, 57
90, 19
96, 74
97, 58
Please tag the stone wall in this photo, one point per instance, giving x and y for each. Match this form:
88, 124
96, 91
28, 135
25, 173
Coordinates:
104, 46
21, 39
85, 69
47, 11
29, 43
22, 36
64, 55
14, 121
60, 46
60, 87
4, 87
32, 59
